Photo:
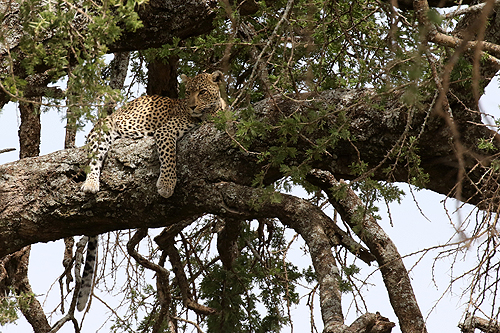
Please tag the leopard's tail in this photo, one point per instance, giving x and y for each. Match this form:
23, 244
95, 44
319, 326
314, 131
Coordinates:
88, 272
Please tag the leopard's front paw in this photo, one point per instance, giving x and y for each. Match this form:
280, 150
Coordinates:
164, 190
166, 193
91, 185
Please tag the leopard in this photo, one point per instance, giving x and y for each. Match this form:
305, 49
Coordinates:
167, 120
88, 272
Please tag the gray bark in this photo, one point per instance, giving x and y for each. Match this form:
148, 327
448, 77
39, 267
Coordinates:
40, 199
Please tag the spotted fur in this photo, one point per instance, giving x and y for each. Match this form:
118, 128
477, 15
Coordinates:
164, 118
88, 273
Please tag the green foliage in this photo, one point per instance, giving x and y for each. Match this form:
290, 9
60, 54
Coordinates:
434, 16
236, 294
294, 142
345, 284
371, 192
68, 40
314, 50
9, 305
8, 310
462, 75
417, 175
495, 165
487, 145
322, 45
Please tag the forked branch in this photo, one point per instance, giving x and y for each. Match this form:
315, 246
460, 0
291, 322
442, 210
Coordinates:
394, 273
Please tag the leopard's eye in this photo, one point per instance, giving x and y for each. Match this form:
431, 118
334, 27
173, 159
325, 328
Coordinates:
203, 92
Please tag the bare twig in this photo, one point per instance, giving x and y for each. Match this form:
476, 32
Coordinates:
5, 150
256, 67
198, 328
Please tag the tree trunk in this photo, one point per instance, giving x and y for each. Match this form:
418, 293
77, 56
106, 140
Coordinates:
162, 77
14, 267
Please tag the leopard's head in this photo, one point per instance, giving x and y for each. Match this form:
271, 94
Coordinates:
203, 93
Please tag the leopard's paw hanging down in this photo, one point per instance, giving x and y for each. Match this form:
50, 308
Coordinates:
165, 118
164, 191
91, 185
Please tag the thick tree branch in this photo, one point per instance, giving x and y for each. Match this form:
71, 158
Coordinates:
338, 236
162, 21
370, 323
394, 273
308, 221
422, 10
409, 4
14, 273
40, 198
227, 242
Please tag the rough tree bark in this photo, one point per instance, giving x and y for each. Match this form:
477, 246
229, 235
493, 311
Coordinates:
40, 198
14, 267
391, 265
49, 185
162, 77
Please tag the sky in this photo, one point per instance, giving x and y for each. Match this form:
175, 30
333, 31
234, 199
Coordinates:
410, 230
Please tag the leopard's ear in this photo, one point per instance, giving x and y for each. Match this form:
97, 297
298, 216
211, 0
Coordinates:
184, 78
217, 76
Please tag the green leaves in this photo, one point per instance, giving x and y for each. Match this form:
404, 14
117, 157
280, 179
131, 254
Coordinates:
253, 282
434, 16
486, 145
345, 284
9, 305
296, 141
68, 42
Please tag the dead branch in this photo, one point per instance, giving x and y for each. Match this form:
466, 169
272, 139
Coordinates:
473, 322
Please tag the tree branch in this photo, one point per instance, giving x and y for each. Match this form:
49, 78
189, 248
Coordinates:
6, 150
391, 265
163, 21
40, 199
166, 243
308, 221
473, 322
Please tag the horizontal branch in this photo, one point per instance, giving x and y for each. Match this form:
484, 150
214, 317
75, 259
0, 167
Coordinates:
471, 323
163, 21
408, 4
40, 198
468, 46
467, 10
